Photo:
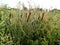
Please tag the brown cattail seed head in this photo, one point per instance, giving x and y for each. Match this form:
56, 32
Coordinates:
43, 15
28, 16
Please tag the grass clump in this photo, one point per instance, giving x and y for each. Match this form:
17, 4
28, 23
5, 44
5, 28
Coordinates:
29, 27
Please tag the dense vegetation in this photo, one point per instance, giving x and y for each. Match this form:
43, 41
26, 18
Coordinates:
29, 27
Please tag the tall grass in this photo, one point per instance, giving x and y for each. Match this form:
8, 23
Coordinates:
28, 27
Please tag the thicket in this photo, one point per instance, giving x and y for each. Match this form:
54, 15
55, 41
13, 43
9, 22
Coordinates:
29, 27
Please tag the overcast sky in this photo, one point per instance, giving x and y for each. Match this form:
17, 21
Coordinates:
42, 3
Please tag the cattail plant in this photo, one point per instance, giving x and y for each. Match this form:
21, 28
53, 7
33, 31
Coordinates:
26, 28
39, 16
43, 14
10, 15
28, 16
21, 14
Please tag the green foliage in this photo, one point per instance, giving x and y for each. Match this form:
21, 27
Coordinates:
15, 30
